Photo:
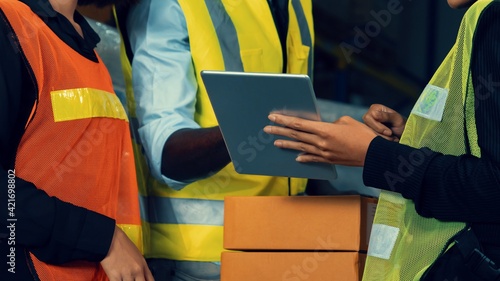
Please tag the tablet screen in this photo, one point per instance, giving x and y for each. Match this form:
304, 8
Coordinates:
242, 102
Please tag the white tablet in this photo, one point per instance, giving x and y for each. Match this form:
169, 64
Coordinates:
242, 102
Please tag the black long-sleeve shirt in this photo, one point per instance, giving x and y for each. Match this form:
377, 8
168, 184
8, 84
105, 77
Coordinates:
54, 231
463, 188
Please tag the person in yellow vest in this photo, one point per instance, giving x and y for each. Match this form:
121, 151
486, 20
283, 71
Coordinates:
69, 190
438, 217
190, 171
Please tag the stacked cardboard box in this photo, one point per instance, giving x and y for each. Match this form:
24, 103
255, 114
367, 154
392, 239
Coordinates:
296, 238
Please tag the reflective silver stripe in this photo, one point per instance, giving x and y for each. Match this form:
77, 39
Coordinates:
226, 33
184, 211
305, 33
143, 206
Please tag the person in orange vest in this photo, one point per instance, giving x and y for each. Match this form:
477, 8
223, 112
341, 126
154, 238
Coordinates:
438, 216
69, 191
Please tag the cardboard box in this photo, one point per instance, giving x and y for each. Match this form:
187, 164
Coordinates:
326, 223
292, 266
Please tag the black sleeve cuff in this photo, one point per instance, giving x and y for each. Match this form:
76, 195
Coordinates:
396, 167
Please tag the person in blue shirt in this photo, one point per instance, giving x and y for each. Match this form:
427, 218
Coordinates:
190, 168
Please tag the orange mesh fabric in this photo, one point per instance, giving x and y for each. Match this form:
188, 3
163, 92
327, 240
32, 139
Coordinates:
87, 161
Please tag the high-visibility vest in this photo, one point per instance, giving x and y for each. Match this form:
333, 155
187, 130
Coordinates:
404, 244
223, 35
77, 144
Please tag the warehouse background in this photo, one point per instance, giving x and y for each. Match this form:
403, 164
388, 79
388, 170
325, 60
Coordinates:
407, 40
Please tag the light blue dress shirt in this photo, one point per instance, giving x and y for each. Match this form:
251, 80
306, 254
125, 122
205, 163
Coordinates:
164, 80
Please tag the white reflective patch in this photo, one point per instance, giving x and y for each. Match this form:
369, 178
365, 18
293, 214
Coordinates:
431, 103
382, 241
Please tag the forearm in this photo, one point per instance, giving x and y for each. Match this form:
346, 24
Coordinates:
54, 231
448, 188
194, 153
77, 234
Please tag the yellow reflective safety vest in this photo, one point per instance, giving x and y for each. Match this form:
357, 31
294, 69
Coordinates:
404, 244
231, 35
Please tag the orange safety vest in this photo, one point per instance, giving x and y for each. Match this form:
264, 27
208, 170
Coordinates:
77, 144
